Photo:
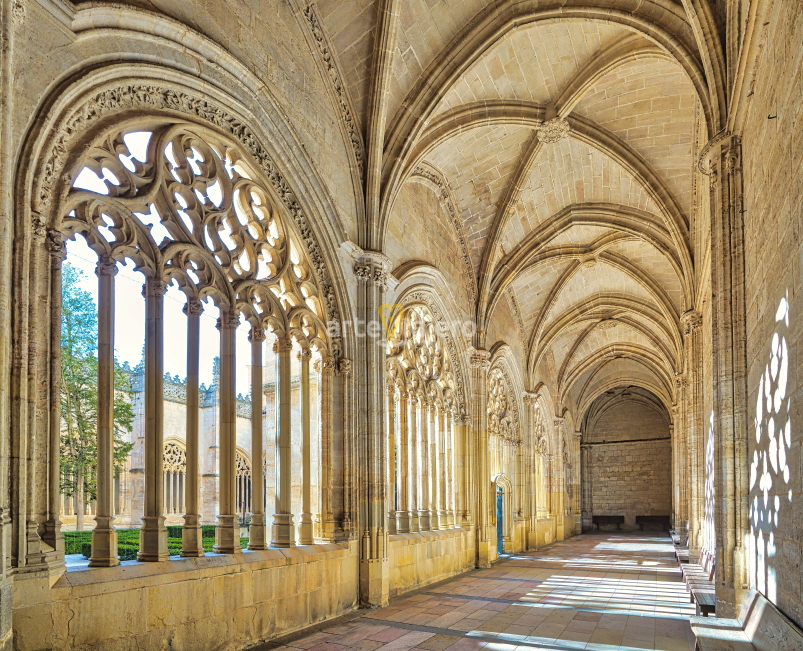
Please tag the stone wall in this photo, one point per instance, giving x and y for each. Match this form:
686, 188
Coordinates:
772, 150
418, 559
630, 476
214, 602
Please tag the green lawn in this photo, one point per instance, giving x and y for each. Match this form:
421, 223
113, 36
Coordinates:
80, 542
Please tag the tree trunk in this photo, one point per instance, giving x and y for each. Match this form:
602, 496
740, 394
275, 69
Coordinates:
81, 505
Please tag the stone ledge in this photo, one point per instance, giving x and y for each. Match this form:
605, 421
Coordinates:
130, 575
417, 537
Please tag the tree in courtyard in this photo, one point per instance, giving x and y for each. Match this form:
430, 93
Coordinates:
79, 395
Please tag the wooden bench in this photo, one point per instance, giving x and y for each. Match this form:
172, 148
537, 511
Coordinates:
660, 520
760, 627
699, 579
597, 520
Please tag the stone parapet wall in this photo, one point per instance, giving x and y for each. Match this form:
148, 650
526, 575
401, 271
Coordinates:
214, 602
418, 559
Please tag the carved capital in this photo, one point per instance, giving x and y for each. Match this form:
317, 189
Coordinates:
362, 271
106, 267
344, 367
257, 334
154, 287
282, 344
553, 130
479, 359
691, 321
228, 320
681, 381
193, 307
530, 398
305, 354
56, 245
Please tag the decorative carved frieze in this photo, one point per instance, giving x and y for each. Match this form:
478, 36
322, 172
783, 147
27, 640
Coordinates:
346, 113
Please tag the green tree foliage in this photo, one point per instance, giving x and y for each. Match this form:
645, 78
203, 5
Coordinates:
79, 394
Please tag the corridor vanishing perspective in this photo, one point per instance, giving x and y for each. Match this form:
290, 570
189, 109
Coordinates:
401, 324
602, 591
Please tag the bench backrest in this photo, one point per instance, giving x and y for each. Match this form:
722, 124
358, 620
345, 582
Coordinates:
766, 627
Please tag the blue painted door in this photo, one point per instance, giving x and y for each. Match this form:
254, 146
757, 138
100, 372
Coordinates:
500, 528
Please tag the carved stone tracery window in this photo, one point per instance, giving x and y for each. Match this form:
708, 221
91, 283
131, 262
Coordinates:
186, 206
501, 421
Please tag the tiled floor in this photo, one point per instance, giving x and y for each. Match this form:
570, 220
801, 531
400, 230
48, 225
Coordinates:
602, 591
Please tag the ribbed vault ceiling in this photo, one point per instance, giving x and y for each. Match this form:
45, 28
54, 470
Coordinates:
587, 229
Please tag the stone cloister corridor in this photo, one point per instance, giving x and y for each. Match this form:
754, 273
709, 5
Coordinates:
401, 324
605, 591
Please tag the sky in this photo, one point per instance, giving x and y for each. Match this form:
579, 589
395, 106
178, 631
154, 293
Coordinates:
129, 320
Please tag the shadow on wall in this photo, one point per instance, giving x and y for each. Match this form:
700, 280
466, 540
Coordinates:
770, 477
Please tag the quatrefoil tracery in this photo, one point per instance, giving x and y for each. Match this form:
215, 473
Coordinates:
500, 415
417, 361
186, 207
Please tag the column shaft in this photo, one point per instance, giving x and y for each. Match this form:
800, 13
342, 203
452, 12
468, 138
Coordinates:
227, 532
415, 477
391, 459
153, 535
191, 539
425, 503
104, 536
402, 464
283, 533
256, 533
305, 533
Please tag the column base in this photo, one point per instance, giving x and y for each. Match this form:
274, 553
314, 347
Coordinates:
153, 540
483, 553
53, 536
282, 531
305, 535
415, 524
227, 535
374, 582
402, 522
191, 537
424, 522
450, 519
392, 522
104, 543
443, 520
257, 535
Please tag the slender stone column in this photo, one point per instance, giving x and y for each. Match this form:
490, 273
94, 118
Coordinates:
729, 341
283, 534
462, 472
326, 366
257, 538
153, 535
191, 539
691, 383
577, 479
481, 474
450, 467
104, 536
402, 464
392, 480
415, 477
53, 535
374, 573
227, 532
425, 502
530, 484
557, 484
435, 468
440, 476
305, 533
